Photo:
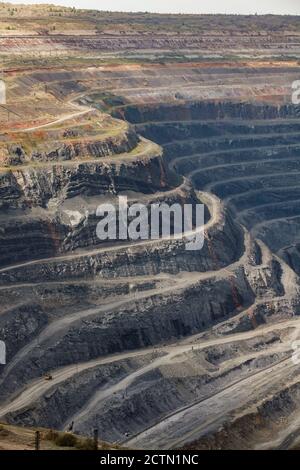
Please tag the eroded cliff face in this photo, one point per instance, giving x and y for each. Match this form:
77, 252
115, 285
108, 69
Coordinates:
148, 330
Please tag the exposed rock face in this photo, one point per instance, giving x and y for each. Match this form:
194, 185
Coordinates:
15, 156
209, 110
80, 392
219, 156
115, 262
134, 328
65, 230
71, 151
32, 186
147, 330
25, 319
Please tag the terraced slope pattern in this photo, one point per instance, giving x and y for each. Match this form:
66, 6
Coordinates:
154, 345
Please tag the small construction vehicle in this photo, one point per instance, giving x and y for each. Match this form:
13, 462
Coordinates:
48, 377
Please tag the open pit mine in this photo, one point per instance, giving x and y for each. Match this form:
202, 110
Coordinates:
156, 346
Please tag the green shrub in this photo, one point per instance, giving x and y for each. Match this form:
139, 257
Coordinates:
85, 444
51, 435
3, 431
65, 440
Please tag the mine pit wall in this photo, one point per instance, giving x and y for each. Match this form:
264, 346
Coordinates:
206, 110
50, 296
165, 132
85, 233
77, 390
36, 187
278, 238
291, 255
145, 322
192, 129
26, 187
268, 212
25, 237
244, 148
186, 312
153, 395
46, 303
203, 165
122, 143
22, 239
149, 258
259, 426
27, 320
190, 136
81, 296
267, 278
272, 133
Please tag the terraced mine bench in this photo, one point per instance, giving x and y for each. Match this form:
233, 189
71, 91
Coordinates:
141, 336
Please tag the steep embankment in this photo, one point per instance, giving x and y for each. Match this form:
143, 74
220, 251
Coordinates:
147, 330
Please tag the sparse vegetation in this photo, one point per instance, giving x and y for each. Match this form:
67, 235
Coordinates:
22, 438
34, 17
66, 440
3, 431
85, 444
